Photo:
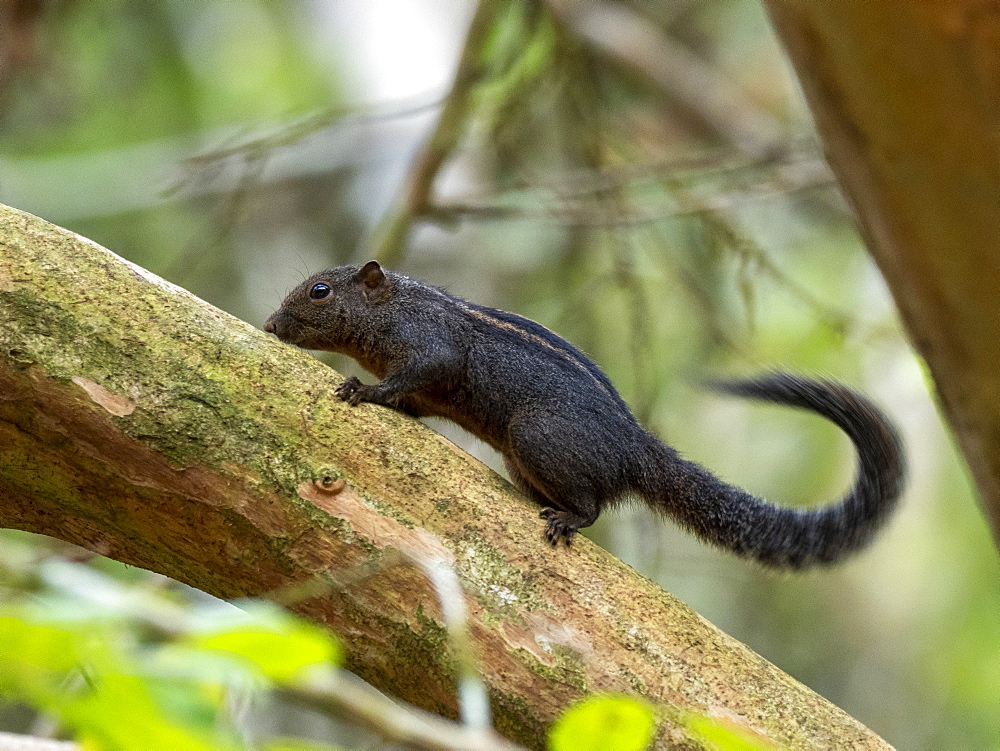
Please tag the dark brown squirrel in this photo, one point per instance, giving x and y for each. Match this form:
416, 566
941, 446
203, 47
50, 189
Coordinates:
569, 441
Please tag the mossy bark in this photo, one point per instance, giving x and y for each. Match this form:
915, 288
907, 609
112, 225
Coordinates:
906, 96
143, 424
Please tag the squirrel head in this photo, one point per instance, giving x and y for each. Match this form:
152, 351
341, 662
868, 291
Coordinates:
328, 310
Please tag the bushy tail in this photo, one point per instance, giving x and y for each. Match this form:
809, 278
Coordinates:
784, 537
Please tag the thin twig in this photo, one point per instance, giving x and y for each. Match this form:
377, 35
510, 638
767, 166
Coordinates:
392, 235
12, 742
290, 133
701, 165
473, 698
638, 44
340, 692
588, 213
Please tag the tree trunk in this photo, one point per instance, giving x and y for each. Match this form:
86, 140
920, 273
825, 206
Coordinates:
906, 96
143, 424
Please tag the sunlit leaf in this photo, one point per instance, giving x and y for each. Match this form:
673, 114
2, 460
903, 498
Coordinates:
298, 744
721, 736
71, 672
279, 655
603, 723
34, 659
120, 713
45, 646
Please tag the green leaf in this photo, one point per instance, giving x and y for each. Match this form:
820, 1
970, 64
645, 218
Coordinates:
113, 708
120, 713
44, 646
279, 654
35, 659
299, 744
602, 723
721, 736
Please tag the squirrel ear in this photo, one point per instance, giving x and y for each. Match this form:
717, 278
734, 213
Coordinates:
371, 275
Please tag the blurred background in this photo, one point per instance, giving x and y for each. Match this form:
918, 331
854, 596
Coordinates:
641, 177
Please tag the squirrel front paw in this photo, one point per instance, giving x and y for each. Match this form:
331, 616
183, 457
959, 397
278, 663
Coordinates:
350, 391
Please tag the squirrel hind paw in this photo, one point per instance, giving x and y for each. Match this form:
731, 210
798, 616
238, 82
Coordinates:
560, 525
350, 391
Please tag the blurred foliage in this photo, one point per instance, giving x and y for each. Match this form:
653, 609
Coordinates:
719, 735
237, 147
603, 722
117, 661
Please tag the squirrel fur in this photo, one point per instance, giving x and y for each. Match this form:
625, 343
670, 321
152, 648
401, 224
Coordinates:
569, 441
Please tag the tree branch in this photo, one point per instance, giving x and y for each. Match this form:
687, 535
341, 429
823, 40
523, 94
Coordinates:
145, 425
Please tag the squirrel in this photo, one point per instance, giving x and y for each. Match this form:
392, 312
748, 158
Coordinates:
569, 441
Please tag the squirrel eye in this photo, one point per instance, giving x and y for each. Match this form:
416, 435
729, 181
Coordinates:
320, 291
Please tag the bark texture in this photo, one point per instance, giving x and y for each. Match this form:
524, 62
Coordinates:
143, 424
906, 96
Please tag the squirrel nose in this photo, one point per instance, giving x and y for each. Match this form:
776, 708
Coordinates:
269, 325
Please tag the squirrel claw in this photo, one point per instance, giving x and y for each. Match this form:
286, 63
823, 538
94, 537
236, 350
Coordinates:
557, 528
350, 391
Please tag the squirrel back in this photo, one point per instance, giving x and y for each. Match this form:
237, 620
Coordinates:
569, 441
